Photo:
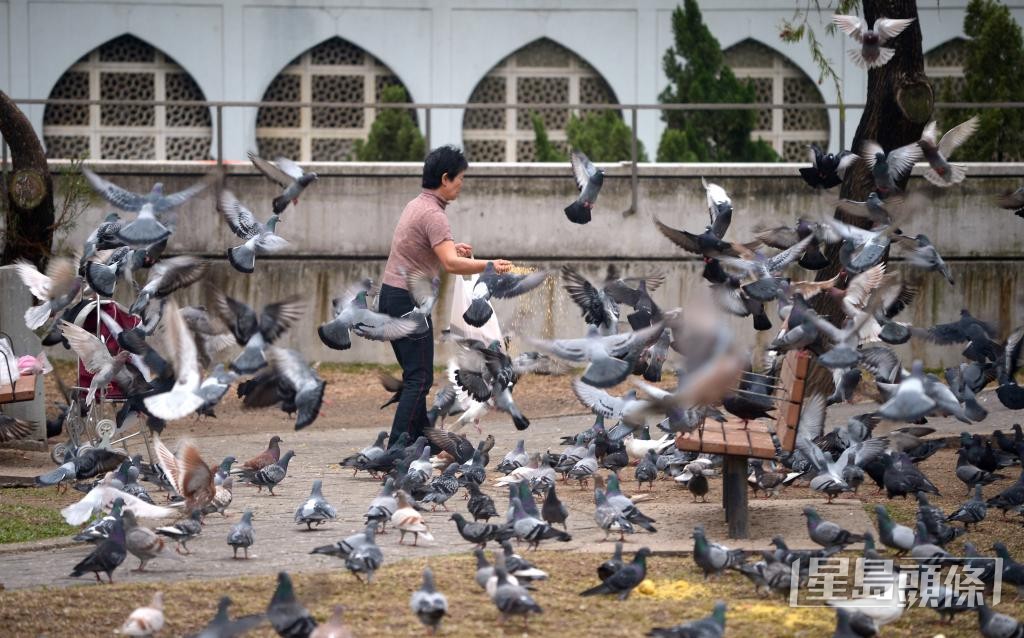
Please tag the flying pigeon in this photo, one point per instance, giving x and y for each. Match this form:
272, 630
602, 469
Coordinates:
146, 228
57, 289
597, 306
187, 472
827, 169
610, 358
871, 53
260, 238
937, 151
890, 167
1014, 201
288, 175
501, 286
166, 277
221, 625
589, 180
304, 387
351, 313
254, 332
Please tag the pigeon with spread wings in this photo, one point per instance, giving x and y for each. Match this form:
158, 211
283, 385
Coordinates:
288, 175
255, 332
183, 398
871, 53
352, 313
187, 472
503, 286
146, 228
260, 238
303, 387
57, 289
589, 180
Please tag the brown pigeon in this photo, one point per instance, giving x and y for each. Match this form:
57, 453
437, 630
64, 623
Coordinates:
267, 457
188, 473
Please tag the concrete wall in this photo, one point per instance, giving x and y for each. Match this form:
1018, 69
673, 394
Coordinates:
440, 50
341, 232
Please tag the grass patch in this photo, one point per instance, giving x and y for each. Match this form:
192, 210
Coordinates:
20, 522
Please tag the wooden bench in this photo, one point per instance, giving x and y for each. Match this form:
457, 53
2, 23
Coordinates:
738, 442
23, 389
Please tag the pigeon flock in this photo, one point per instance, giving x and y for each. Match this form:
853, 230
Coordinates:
172, 362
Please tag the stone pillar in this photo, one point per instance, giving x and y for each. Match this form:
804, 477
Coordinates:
14, 300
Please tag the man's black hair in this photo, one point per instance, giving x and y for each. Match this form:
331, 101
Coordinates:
444, 159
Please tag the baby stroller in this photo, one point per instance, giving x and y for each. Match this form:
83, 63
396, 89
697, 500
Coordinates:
96, 425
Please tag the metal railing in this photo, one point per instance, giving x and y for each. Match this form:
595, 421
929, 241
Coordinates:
428, 107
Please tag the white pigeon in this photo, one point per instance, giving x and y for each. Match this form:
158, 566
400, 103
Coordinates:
102, 497
183, 398
145, 621
871, 53
57, 289
638, 448
408, 520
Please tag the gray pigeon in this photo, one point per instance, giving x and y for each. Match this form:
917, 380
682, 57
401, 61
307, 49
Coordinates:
184, 530
530, 529
260, 238
826, 533
972, 512
429, 605
108, 554
515, 458
513, 600
647, 470
713, 558
910, 402
892, 534
255, 331
270, 475
553, 511
501, 286
304, 387
315, 509
920, 252
145, 228
625, 580
166, 277
608, 517
995, 625
223, 627
288, 175
143, 543
365, 557
344, 547
712, 626
871, 54
589, 180
352, 313
242, 535
286, 614
1013, 200
937, 152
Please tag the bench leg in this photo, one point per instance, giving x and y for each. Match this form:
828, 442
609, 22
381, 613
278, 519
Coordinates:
734, 495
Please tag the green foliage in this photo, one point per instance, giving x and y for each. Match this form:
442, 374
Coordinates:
603, 136
394, 136
544, 150
993, 72
697, 72
22, 522
78, 194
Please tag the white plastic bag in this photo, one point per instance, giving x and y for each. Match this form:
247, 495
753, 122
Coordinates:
462, 295
8, 363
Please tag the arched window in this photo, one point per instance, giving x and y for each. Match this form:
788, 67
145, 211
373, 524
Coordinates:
540, 72
127, 68
333, 71
777, 80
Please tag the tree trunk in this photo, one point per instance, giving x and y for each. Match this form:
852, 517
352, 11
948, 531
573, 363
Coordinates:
898, 105
30, 218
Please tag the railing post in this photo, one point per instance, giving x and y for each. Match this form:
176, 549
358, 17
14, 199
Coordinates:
426, 128
842, 130
220, 135
634, 177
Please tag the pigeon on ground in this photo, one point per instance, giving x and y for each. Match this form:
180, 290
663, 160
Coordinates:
429, 605
359, 460
442, 488
346, 546
624, 581
902, 477
315, 509
267, 457
871, 53
473, 532
184, 530
972, 512
854, 625
270, 475
892, 534
1011, 498
352, 313
286, 614
102, 497
698, 483
647, 470
242, 535
713, 558
409, 521
222, 626
606, 569
517, 566
515, 458
254, 332
827, 169
531, 529
501, 286
712, 626
145, 228
1013, 572
260, 238
288, 175
995, 625
145, 621
589, 180
609, 518
937, 152
626, 507
106, 557
480, 505
826, 533
57, 289
553, 511
144, 543
512, 600
87, 464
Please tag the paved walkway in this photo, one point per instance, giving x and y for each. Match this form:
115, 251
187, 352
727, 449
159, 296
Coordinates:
318, 449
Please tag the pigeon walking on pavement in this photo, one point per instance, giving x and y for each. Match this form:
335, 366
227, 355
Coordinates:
315, 509
242, 535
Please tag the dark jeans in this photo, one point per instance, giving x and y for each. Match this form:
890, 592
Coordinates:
415, 354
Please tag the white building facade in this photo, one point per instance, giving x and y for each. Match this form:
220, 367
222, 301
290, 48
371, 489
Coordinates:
497, 51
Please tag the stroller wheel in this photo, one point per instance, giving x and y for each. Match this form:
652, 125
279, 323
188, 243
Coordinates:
82, 449
58, 452
105, 429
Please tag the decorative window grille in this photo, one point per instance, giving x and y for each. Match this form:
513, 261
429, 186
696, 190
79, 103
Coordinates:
777, 80
541, 72
944, 66
333, 71
129, 69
